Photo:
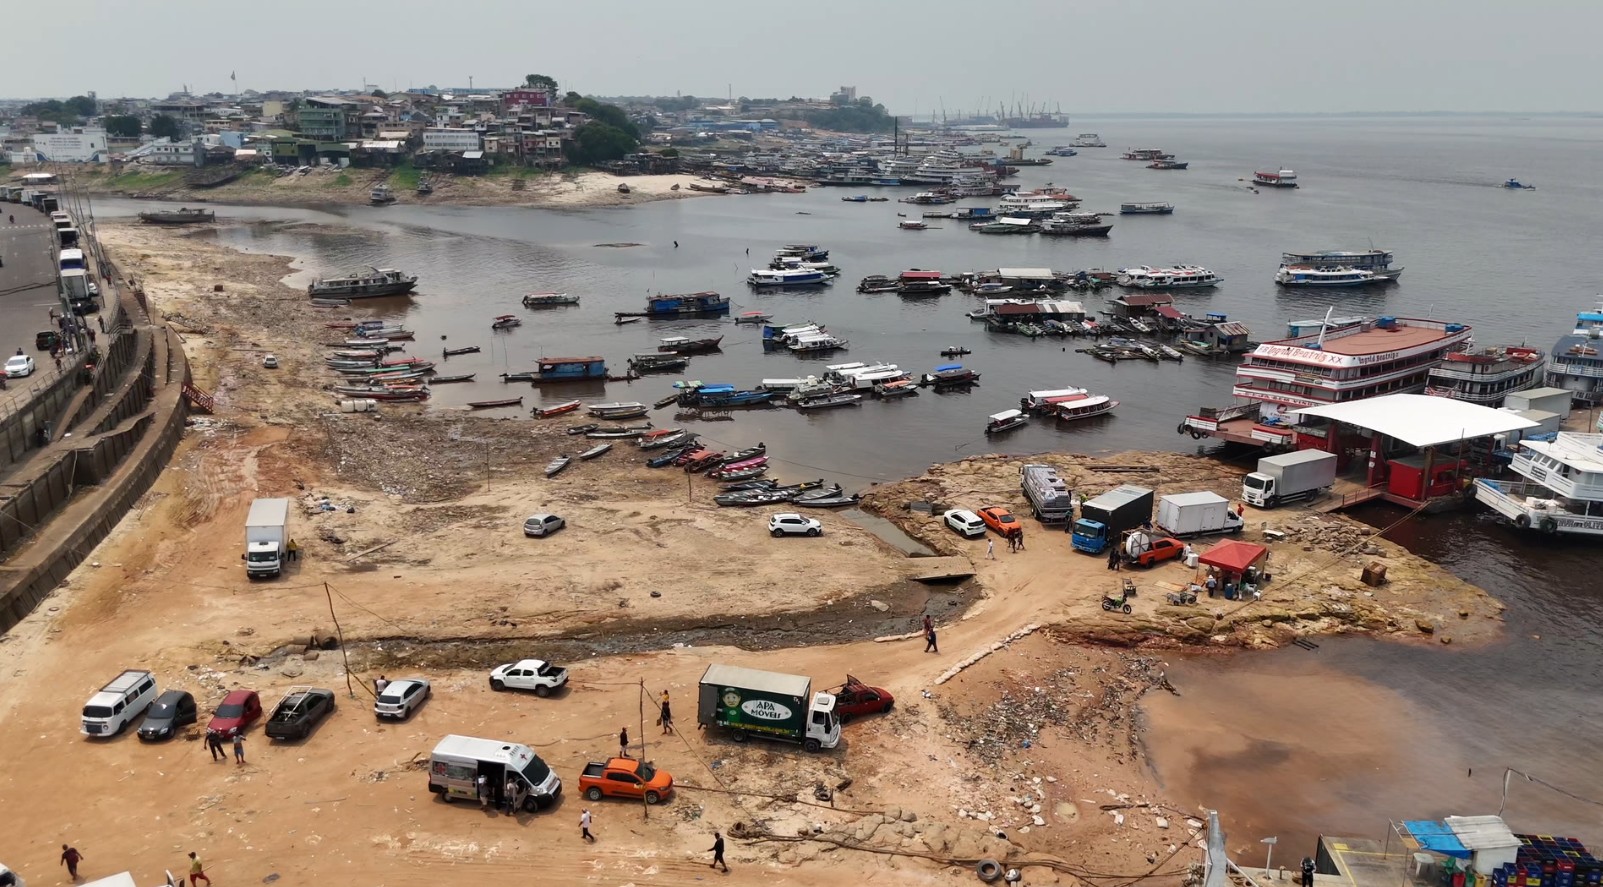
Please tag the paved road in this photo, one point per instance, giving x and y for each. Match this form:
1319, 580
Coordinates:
27, 282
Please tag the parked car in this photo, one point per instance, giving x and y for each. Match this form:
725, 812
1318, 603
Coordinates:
270, 361
855, 698
530, 674
625, 778
542, 525
44, 340
298, 712
238, 711
965, 523
791, 524
1000, 519
19, 365
171, 710
402, 698
1163, 548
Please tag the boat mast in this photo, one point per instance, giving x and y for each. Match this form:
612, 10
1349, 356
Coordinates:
1324, 327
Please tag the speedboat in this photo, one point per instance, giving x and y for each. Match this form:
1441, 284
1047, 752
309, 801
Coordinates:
1516, 185
786, 277
1309, 275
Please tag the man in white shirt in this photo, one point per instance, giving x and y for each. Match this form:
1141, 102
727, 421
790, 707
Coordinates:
584, 827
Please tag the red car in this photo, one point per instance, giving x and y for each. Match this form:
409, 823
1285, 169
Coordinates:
1000, 519
857, 698
239, 710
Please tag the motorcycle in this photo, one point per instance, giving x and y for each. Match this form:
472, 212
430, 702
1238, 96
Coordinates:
1119, 604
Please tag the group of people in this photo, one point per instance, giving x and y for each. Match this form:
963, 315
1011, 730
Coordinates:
1015, 542
70, 857
214, 744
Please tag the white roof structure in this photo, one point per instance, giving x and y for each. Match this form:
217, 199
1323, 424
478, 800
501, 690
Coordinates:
1420, 419
1583, 452
1024, 273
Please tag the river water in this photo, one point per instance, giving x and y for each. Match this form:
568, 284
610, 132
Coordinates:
1412, 721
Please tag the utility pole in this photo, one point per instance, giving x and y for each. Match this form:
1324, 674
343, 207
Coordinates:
645, 806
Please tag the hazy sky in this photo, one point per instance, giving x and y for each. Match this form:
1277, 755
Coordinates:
1086, 55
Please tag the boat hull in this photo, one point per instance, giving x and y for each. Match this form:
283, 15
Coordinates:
400, 288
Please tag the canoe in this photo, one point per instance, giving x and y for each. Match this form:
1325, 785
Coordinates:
330, 303
471, 349
557, 410
831, 400
669, 456
827, 501
661, 437
820, 493
738, 474
517, 377
739, 486
620, 320
462, 377
631, 413
555, 466
594, 451
613, 434
761, 449
665, 401
583, 429
493, 404
955, 352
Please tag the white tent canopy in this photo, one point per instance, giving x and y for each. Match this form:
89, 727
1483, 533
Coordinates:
1421, 420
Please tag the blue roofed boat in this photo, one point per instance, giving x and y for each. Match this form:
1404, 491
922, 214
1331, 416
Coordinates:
950, 374
569, 369
686, 305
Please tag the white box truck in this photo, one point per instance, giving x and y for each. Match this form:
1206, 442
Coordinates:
1183, 515
1289, 477
459, 761
266, 535
1048, 494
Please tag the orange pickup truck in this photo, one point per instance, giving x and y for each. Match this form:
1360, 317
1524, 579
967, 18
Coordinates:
625, 778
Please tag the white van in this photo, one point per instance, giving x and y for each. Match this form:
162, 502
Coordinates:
119, 703
459, 761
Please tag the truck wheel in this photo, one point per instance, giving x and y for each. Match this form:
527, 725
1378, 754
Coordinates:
593, 793
845, 719
1523, 522
1549, 525
531, 804
497, 686
737, 735
542, 691
1272, 502
811, 745
653, 798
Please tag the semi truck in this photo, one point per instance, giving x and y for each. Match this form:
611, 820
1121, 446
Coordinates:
1104, 519
458, 761
748, 702
1049, 496
266, 535
1289, 477
1183, 515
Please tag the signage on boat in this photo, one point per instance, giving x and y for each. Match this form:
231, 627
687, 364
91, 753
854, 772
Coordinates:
1325, 358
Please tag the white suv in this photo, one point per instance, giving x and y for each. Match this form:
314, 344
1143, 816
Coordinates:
401, 698
792, 524
965, 522
530, 674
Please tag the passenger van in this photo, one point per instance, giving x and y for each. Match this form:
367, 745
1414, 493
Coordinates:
459, 761
119, 703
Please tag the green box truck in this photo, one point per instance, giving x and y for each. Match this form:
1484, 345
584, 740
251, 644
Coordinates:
748, 702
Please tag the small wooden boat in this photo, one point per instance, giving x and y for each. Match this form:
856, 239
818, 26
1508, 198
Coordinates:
442, 380
662, 437
760, 449
745, 485
506, 322
753, 317
705, 460
750, 498
594, 451
738, 474
899, 388
620, 320
642, 428
517, 377
555, 466
470, 349
668, 457
837, 501
670, 399
583, 429
556, 410
955, 351
1168, 353
682, 345
621, 410
495, 404
614, 434
829, 401
330, 303
548, 300
820, 493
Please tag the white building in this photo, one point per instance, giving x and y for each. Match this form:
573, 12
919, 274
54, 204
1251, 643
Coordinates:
84, 146
451, 139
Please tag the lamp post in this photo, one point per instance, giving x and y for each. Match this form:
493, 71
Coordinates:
1269, 852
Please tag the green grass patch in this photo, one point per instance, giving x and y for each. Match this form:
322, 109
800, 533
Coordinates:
342, 181
404, 176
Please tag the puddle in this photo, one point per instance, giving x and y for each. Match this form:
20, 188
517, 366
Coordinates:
889, 533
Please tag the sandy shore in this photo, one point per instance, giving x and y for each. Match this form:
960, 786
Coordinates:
1017, 741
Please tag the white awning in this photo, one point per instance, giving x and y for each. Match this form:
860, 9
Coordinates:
1421, 420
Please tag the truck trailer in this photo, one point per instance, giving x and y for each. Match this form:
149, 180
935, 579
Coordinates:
1289, 477
748, 702
1183, 515
1105, 519
266, 535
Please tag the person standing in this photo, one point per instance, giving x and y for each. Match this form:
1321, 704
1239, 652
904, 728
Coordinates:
1307, 872
70, 857
990, 549
197, 871
929, 640
1020, 533
484, 791
379, 683
1113, 558
717, 851
666, 715
239, 746
214, 742
294, 549
584, 826
511, 796
623, 742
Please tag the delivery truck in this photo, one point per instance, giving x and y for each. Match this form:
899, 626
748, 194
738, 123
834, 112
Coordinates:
1048, 494
1289, 477
748, 702
266, 535
458, 762
1183, 515
1106, 518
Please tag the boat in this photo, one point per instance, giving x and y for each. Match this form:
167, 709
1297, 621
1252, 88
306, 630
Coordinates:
749, 453
1284, 178
829, 401
368, 284
710, 187
330, 303
819, 493
750, 498
918, 282
1061, 151
912, 225
556, 409
1322, 276
1168, 164
950, 374
1376, 261
836, 501
1511, 184
549, 300
658, 363
1082, 406
1145, 155
877, 283
567, 369
955, 351
495, 404
856, 198
594, 451
766, 483
753, 317
1311, 326
506, 322
517, 377
669, 456
703, 460
687, 305
896, 389
442, 380
805, 251
1575, 363
1009, 225
730, 464
1139, 209
816, 343
732, 473
424, 187
619, 410
583, 429
467, 349
181, 216
555, 466
1088, 140
662, 437
682, 345
1041, 401
381, 195
620, 320
1486, 375
615, 433
665, 401
1145, 277
1562, 490
1168, 353
1007, 420
769, 277
1071, 224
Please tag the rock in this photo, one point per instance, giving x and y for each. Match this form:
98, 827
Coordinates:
1160, 822
1425, 626
291, 669
893, 814
909, 816
879, 605
1035, 808
1037, 821
1051, 779
1066, 810
310, 655
1446, 639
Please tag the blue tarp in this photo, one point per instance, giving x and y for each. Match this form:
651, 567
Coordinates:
948, 366
1437, 837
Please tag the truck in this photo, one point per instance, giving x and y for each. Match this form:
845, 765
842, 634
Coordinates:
1143, 549
1183, 515
1289, 477
625, 778
1049, 496
266, 535
1104, 520
457, 762
298, 712
748, 702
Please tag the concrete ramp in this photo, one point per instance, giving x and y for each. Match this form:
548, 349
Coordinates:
941, 569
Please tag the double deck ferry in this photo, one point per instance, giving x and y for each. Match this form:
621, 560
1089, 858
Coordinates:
1145, 277
1375, 261
1562, 487
1485, 376
1576, 361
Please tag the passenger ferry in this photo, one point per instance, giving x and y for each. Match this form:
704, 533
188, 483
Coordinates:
1375, 261
1040, 203
1387, 355
1088, 140
1145, 277
1310, 275
1576, 362
1486, 375
1146, 155
1563, 488
1283, 179
1140, 209
367, 284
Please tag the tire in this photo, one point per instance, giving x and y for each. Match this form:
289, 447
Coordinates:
1107, 605
814, 532
497, 686
1125, 609
1181, 429
888, 706
542, 691
776, 533
653, 799
1272, 502
1549, 526
1197, 435
737, 735
988, 870
811, 745
593, 793
845, 719
531, 804
1523, 522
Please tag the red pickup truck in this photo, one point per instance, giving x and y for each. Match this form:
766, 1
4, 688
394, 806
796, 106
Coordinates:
625, 778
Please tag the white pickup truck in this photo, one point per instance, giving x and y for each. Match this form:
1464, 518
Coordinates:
530, 674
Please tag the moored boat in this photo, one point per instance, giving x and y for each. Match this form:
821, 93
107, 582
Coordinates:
1168, 164
1322, 276
442, 380
662, 437
617, 410
829, 401
912, 225
586, 428
954, 351
683, 345
1146, 277
1284, 178
686, 305
594, 451
767, 277
1007, 420
555, 466
950, 374
181, 216
466, 349
753, 317
896, 389
1138, 209
368, 284
557, 409
549, 300
495, 404
658, 363
506, 322
1376, 261
1082, 406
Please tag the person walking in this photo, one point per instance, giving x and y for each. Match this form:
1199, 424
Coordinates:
929, 640
70, 857
990, 549
584, 826
623, 742
214, 742
1020, 533
666, 715
197, 871
379, 683
239, 747
717, 851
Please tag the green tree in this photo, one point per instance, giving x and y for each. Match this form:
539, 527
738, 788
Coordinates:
853, 118
572, 98
163, 126
612, 115
123, 126
81, 105
600, 142
669, 152
379, 94
537, 80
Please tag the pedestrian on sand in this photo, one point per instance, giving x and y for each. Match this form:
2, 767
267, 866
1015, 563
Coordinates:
666, 716
511, 797
379, 683
102, 319
623, 742
239, 746
484, 791
929, 641
1020, 533
990, 549
70, 858
1307, 872
1212, 584
1113, 558
584, 826
717, 851
214, 742
91, 336
197, 871
929, 624
294, 549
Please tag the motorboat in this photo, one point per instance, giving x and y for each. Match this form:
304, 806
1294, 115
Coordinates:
683, 345
1083, 406
753, 317
1138, 209
1088, 140
912, 225
1069, 224
549, 300
1168, 164
877, 283
829, 401
1312, 276
1007, 420
1146, 277
506, 322
1516, 185
371, 283
185, 216
761, 277
1284, 178
555, 466
950, 374
619, 410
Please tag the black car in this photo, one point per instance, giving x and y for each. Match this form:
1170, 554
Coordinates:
171, 710
299, 711
44, 340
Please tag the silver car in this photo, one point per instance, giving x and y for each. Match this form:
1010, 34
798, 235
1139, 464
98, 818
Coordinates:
401, 698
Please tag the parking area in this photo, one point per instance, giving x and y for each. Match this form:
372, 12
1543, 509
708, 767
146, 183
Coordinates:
27, 282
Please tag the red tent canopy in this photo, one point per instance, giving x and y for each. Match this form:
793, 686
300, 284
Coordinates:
1232, 556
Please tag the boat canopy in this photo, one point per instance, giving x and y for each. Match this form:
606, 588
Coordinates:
1024, 273
1005, 415
916, 274
716, 388
948, 367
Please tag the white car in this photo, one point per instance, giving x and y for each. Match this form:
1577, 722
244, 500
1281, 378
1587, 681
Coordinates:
18, 366
530, 674
965, 522
401, 698
792, 524
542, 525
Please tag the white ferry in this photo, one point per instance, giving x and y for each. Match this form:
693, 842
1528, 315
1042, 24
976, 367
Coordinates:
1310, 275
1039, 203
1563, 488
1486, 375
1088, 140
1576, 364
1145, 277
1283, 179
1375, 261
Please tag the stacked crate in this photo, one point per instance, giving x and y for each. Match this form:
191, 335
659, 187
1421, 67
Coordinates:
1546, 861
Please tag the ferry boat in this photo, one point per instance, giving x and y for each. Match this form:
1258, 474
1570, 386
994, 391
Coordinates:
767, 277
687, 305
1088, 140
1007, 420
1081, 406
1146, 155
1062, 151
1321, 275
372, 283
1576, 362
803, 251
1140, 209
1283, 179
1486, 375
549, 300
1041, 401
912, 225
1076, 225
1168, 164
918, 282
1376, 261
1391, 355
1562, 493
1041, 202
1145, 277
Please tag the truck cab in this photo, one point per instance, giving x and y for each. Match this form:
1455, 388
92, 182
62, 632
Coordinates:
1090, 536
1258, 489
